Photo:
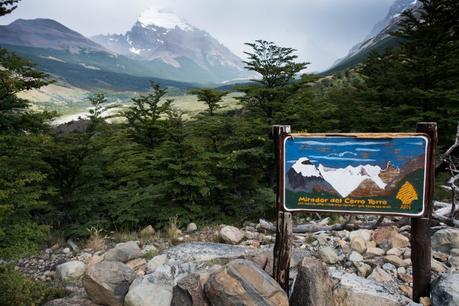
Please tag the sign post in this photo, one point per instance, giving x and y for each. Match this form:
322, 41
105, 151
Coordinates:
388, 174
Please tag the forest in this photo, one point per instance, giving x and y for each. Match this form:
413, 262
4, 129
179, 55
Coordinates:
217, 167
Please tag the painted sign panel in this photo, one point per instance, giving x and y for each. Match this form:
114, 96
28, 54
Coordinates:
368, 173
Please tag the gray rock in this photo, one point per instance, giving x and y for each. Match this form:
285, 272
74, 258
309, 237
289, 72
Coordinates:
202, 251
355, 257
313, 286
351, 289
445, 290
328, 255
156, 262
123, 252
446, 239
107, 282
70, 270
149, 290
243, 283
191, 227
231, 234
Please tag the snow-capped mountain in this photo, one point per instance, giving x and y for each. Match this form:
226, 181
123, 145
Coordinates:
379, 37
304, 176
164, 36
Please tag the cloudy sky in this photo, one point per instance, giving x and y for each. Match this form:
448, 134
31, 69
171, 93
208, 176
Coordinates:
321, 30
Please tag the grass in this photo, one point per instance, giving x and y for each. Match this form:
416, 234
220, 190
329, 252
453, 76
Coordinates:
69, 101
173, 230
96, 240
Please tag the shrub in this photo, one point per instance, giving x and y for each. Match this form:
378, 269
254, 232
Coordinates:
21, 239
16, 289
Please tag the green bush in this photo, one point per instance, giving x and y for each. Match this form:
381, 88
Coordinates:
21, 239
15, 289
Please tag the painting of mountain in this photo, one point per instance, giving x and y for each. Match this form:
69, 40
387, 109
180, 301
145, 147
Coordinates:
355, 173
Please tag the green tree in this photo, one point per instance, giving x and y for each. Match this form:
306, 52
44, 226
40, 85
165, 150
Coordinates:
277, 68
144, 117
419, 81
211, 97
7, 6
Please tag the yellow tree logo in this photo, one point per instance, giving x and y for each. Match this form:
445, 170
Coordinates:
407, 194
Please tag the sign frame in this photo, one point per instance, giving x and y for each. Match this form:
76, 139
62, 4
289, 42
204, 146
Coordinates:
420, 225
285, 136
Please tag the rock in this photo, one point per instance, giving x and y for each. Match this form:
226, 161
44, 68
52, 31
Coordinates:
407, 291
231, 234
400, 241
204, 251
138, 264
454, 262
359, 245
156, 262
313, 286
94, 260
389, 267
446, 239
383, 237
405, 277
70, 270
395, 260
242, 283
351, 289
363, 269
149, 249
361, 233
380, 276
445, 290
149, 290
374, 252
76, 301
454, 252
328, 255
395, 252
371, 244
123, 252
191, 227
355, 257
66, 251
107, 282
425, 301
148, 231
438, 266
189, 291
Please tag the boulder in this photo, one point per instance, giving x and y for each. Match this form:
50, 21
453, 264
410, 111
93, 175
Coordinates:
156, 262
445, 290
328, 255
242, 283
189, 291
358, 245
351, 289
107, 282
313, 286
374, 252
123, 252
446, 239
355, 257
395, 260
364, 234
363, 269
380, 276
149, 290
383, 237
454, 262
148, 231
191, 227
204, 251
70, 270
76, 301
400, 241
231, 234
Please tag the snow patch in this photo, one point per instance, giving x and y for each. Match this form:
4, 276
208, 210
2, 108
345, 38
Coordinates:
135, 51
304, 166
163, 19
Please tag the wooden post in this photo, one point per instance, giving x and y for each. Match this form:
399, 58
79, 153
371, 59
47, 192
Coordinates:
421, 252
284, 236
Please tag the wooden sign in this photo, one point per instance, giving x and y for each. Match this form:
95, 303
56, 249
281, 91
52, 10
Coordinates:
383, 174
